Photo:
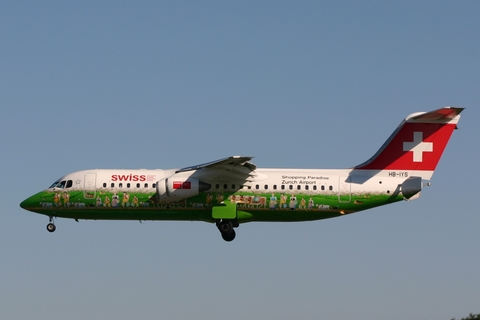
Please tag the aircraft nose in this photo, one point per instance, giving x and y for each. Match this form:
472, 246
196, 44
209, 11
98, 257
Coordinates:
24, 204
27, 204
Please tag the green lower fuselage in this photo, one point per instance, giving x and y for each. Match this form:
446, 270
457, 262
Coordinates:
131, 205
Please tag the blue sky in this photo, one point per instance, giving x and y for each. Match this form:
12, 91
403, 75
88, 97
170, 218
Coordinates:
164, 84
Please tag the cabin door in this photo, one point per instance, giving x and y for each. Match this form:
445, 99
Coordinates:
89, 186
344, 190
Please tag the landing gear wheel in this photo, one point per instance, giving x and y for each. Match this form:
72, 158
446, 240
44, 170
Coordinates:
229, 237
225, 227
51, 227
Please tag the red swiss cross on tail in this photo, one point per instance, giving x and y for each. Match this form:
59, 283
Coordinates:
417, 144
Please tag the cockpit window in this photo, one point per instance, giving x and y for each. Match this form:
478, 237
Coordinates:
62, 184
54, 184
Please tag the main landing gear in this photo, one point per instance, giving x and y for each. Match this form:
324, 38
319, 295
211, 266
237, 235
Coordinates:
51, 226
226, 229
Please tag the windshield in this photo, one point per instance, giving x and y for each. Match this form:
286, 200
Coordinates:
54, 184
62, 184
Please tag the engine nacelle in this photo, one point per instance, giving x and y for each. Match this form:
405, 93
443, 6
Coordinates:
411, 187
176, 188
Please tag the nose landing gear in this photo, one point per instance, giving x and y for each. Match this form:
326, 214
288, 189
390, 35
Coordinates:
51, 226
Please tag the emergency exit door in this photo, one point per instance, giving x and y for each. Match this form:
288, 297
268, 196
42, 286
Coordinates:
344, 190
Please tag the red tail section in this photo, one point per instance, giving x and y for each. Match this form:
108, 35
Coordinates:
417, 144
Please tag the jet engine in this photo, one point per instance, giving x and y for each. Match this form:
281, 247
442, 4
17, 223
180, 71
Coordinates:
411, 187
176, 188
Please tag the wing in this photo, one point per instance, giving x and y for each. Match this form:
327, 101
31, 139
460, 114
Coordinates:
235, 169
225, 164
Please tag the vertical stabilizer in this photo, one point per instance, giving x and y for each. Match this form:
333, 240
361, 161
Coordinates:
417, 145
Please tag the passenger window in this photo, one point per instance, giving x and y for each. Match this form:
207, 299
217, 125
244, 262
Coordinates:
128, 185
112, 185
266, 187
274, 187
120, 185
154, 185
225, 186
104, 184
257, 187
330, 188
233, 186
138, 185
290, 187
306, 187
283, 187
323, 187
217, 186
314, 187
299, 187
146, 185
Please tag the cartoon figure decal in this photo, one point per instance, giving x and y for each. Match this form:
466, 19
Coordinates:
99, 201
209, 200
303, 204
293, 202
56, 199
135, 201
115, 200
283, 201
66, 199
126, 196
273, 202
311, 204
106, 203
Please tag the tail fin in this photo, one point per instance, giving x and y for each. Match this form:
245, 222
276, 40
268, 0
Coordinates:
417, 144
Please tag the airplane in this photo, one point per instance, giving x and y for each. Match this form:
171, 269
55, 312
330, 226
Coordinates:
232, 191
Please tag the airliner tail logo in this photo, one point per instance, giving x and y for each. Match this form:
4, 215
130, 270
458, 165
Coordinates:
417, 144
